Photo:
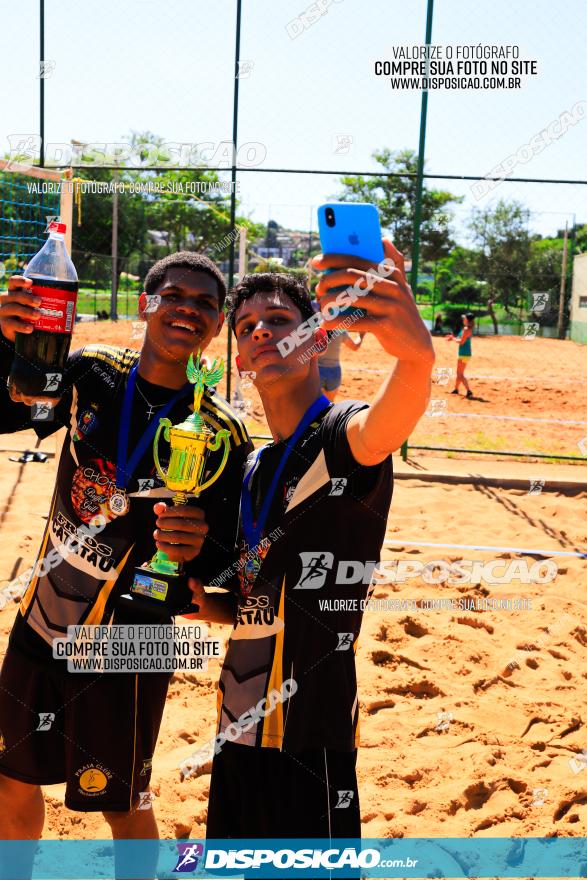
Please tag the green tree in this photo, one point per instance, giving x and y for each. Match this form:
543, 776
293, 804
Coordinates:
580, 239
183, 207
395, 198
92, 238
545, 264
460, 263
269, 264
503, 250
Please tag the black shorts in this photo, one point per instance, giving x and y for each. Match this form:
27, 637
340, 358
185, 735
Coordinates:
97, 733
260, 792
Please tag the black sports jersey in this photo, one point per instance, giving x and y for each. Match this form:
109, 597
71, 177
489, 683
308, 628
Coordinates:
83, 587
289, 678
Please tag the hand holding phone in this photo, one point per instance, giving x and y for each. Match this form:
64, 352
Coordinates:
350, 228
388, 309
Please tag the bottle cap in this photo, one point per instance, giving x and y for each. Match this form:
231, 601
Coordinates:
57, 227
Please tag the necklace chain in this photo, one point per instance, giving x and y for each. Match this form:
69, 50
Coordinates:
148, 402
152, 406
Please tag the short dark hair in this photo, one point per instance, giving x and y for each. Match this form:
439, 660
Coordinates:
185, 260
268, 282
470, 316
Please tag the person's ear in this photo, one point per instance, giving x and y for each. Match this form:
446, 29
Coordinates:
238, 363
142, 305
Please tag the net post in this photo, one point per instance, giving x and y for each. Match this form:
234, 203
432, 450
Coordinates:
66, 206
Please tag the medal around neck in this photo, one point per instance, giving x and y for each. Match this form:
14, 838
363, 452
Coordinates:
160, 587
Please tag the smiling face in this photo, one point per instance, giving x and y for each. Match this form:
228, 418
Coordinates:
260, 323
187, 317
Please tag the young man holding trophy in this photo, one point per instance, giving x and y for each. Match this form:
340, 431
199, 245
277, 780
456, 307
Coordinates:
285, 751
114, 484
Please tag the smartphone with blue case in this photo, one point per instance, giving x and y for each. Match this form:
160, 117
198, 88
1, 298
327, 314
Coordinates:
350, 228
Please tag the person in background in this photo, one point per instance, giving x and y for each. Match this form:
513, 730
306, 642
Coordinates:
464, 353
437, 329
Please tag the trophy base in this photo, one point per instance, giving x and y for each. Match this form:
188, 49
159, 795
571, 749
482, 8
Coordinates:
155, 596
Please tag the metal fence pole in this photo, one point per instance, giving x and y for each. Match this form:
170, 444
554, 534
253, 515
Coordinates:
420, 180
233, 188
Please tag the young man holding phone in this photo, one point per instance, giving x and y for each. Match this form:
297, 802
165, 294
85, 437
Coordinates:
104, 727
314, 511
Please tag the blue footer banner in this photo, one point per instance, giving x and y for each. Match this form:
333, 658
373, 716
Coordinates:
526, 857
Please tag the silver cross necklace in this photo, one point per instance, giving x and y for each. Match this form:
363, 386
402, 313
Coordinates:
152, 407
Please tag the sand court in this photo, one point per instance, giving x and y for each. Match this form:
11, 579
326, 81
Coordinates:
472, 717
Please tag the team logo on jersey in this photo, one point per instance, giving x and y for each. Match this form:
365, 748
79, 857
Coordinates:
92, 485
93, 779
84, 551
106, 377
315, 567
256, 619
86, 423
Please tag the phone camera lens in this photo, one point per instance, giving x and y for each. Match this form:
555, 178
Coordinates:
330, 221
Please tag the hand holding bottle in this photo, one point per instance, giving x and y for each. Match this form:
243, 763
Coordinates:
38, 315
19, 308
19, 313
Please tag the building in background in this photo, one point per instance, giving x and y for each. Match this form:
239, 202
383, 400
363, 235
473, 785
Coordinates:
578, 317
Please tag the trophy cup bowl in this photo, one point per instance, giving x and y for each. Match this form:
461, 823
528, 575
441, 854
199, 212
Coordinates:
159, 589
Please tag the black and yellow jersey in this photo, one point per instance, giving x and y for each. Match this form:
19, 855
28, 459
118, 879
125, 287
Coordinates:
289, 680
83, 586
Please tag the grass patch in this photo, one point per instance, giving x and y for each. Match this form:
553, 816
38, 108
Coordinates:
89, 302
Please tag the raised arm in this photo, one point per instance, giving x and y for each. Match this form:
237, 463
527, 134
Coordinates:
391, 314
465, 333
19, 310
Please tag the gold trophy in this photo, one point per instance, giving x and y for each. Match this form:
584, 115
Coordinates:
160, 588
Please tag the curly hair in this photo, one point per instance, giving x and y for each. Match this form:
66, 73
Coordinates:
185, 260
268, 282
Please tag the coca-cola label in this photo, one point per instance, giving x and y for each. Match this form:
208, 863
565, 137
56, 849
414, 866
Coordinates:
57, 309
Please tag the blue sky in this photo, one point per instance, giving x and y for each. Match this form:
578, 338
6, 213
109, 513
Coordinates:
168, 67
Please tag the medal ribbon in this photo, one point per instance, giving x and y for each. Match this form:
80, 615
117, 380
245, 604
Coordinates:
125, 466
253, 530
